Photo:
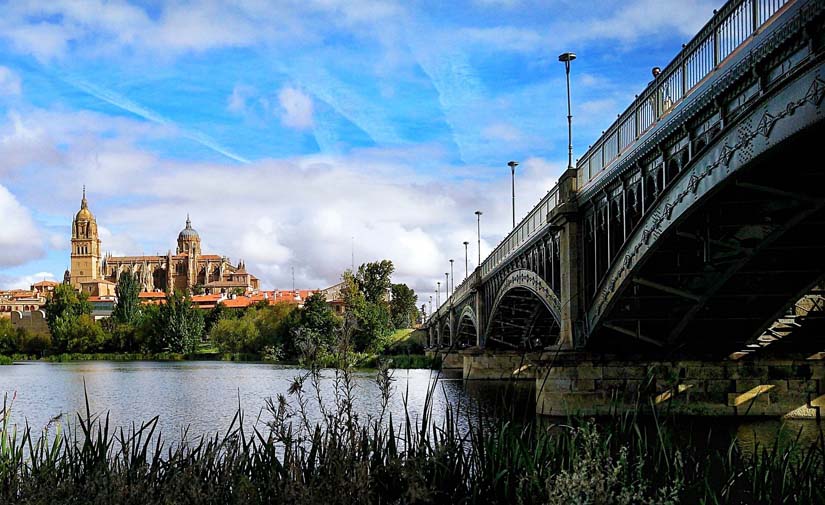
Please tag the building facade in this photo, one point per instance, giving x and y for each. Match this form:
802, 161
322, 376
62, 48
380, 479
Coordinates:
188, 269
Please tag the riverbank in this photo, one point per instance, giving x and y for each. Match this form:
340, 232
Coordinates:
399, 361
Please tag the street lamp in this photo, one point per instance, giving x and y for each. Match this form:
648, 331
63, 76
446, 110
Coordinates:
566, 58
431, 306
447, 286
478, 215
452, 276
438, 294
513, 165
466, 270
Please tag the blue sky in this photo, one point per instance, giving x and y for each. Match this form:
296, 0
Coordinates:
290, 130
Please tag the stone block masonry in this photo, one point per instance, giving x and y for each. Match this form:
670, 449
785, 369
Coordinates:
578, 383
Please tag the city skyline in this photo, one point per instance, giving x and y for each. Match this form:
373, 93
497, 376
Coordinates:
287, 133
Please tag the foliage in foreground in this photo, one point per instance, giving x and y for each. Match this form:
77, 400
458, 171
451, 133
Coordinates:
347, 459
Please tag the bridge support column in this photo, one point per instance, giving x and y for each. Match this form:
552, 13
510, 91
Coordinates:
577, 383
565, 217
481, 317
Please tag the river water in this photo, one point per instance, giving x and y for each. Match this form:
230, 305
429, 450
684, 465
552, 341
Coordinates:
205, 396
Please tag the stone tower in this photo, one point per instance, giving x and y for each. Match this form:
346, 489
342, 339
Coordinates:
189, 243
85, 257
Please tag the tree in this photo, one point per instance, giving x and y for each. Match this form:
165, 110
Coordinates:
85, 335
236, 335
62, 311
374, 280
127, 290
8, 337
402, 306
182, 324
365, 299
318, 316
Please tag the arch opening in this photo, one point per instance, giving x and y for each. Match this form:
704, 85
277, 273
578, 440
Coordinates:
466, 332
522, 321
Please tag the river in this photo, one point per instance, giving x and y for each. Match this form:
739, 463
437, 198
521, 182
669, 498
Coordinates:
204, 396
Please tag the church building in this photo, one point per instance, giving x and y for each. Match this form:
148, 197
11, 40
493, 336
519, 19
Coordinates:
187, 270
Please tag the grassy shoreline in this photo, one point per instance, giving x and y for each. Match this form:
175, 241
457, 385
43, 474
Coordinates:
401, 361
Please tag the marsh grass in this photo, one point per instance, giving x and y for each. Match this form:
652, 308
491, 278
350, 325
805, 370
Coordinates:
345, 457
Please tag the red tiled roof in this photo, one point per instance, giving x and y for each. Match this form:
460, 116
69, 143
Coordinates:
205, 298
151, 294
237, 303
45, 283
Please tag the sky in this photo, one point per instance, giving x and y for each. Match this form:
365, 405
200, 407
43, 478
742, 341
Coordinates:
300, 133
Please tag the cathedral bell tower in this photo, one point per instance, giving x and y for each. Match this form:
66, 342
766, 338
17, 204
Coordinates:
189, 244
85, 257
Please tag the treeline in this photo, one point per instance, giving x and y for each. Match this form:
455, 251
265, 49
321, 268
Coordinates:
374, 308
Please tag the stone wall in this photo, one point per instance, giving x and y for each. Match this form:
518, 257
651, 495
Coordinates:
499, 366
777, 388
33, 322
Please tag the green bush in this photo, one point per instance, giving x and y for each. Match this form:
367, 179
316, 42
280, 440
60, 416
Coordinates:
5, 360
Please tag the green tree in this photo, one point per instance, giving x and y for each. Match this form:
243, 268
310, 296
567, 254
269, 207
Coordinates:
127, 290
182, 324
319, 317
8, 337
402, 306
236, 335
274, 323
365, 300
85, 335
62, 311
374, 280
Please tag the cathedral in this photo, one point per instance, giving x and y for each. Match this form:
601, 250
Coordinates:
187, 270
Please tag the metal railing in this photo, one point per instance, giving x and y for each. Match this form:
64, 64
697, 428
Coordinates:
729, 28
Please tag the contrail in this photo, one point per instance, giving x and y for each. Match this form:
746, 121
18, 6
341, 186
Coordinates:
139, 110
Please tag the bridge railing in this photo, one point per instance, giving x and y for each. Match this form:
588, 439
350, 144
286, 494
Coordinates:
533, 223
465, 287
729, 28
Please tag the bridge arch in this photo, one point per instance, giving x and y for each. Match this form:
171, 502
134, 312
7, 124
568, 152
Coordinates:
729, 242
525, 313
467, 334
446, 334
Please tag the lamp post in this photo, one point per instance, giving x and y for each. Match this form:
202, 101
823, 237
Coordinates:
513, 165
566, 58
452, 276
438, 294
466, 270
447, 286
478, 215
431, 306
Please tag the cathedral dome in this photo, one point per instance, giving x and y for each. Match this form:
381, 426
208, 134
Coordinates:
188, 233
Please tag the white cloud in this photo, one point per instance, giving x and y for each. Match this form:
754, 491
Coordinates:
9, 82
237, 101
296, 108
639, 19
24, 281
20, 240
